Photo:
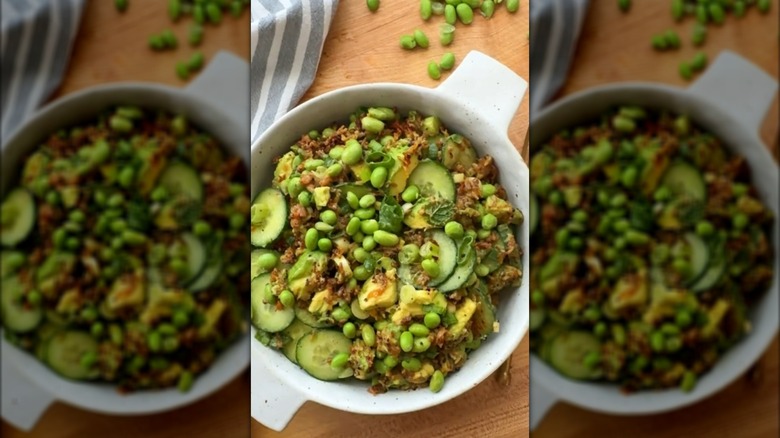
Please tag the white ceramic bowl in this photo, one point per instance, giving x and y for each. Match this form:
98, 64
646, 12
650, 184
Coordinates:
733, 111
28, 386
478, 100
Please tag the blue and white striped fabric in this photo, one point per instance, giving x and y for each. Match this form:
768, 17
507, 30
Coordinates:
555, 28
35, 41
287, 40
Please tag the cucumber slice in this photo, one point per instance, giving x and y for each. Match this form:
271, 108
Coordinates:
534, 213
568, 351
18, 217
317, 349
307, 318
711, 276
182, 181
268, 317
196, 257
17, 317
294, 333
684, 180
461, 274
7, 266
433, 180
207, 277
254, 269
65, 352
448, 257
269, 217
700, 255
484, 317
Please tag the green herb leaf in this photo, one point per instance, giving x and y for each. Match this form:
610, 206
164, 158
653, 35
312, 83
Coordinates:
391, 215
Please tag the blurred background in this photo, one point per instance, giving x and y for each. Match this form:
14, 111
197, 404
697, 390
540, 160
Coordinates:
120, 41
611, 41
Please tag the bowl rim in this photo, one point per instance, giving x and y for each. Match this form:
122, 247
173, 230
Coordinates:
259, 351
145, 401
582, 393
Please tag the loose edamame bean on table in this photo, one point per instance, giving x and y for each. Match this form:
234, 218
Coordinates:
125, 235
370, 233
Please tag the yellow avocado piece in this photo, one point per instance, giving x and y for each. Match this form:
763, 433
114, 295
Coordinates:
463, 314
381, 290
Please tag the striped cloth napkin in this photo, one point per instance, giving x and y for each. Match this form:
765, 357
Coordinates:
555, 28
35, 41
287, 40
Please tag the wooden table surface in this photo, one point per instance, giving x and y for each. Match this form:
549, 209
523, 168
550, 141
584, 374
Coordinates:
616, 47
113, 47
363, 47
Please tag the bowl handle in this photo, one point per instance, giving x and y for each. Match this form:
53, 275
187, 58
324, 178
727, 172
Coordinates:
739, 87
541, 403
273, 403
23, 402
487, 86
220, 85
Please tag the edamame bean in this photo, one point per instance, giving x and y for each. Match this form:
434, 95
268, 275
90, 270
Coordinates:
637, 237
702, 16
412, 365
432, 320
154, 341
390, 362
433, 70
699, 61
311, 238
200, 228
121, 5
180, 318
410, 194
353, 226
304, 198
369, 335
487, 190
688, 381
740, 221
489, 221
339, 361
465, 13
419, 330
446, 38
592, 359
421, 39
537, 297
488, 8
373, 126
406, 341
336, 152
450, 14
369, 226
431, 268
324, 244
481, 270
683, 318
195, 36
408, 42
120, 124
365, 213
186, 379
329, 217
600, 329
686, 71
385, 238
349, 330
447, 61
657, 341
287, 298
437, 381
378, 176
672, 39
267, 261
629, 176
454, 229
214, 13
717, 13
764, 5
353, 153
88, 359
182, 70
705, 228
334, 170
619, 334
512, 6
373, 5
624, 5
426, 9
340, 314
367, 201
699, 34
623, 124
421, 345
369, 243
678, 9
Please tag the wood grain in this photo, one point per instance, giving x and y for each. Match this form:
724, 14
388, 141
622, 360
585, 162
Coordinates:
113, 47
616, 47
364, 47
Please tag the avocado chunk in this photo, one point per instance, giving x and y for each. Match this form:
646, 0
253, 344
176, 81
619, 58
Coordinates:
457, 150
127, 291
321, 196
656, 162
404, 164
417, 302
309, 264
630, 291
379, 291
463, 315
284, 169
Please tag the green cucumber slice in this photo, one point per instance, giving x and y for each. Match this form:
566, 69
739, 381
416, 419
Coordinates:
65, 351
711, 276
484, 317
17, 316
182, 181
448, 257
269, 217
317, 349
265, 316
461, 273
196, 257
294, 333
18, 217
307, 318
684, 180
433, 180
207, 277
10, 261
568, 351
700, 255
